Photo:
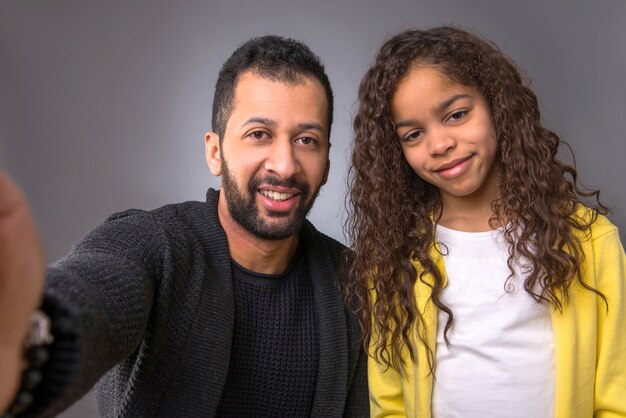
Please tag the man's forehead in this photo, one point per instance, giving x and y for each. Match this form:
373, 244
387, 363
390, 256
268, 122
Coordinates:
250, 79
265, 94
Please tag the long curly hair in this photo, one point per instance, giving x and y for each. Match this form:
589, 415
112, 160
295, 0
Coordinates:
390, 208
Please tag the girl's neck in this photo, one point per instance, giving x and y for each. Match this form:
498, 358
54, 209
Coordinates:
468, 218
472, 213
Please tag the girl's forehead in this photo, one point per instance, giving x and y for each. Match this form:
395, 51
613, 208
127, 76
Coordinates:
422, 79
427, 90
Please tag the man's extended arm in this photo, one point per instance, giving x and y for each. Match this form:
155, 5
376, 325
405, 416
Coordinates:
21, 281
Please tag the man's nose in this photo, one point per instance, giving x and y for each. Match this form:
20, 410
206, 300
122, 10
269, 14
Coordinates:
282, 159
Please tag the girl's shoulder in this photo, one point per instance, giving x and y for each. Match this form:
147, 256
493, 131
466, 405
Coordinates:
600, 226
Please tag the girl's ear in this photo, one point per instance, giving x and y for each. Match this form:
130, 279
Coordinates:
212, 152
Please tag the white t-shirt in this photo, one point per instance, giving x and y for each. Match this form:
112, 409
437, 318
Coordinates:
500, 361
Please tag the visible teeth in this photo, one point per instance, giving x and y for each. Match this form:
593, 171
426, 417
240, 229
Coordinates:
276, 195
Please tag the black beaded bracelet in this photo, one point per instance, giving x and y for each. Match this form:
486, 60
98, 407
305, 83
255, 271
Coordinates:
36, 355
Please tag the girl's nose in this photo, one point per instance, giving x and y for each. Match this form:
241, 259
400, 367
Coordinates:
440, 142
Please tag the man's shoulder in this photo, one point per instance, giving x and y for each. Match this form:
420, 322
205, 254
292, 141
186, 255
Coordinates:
168, 212
181, 222
323, 248
312, 234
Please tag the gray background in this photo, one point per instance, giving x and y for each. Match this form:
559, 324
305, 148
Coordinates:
104, 105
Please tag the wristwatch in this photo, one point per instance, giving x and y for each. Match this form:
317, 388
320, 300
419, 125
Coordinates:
40, 331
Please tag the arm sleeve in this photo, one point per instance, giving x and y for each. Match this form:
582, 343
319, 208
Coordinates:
100, 295
610, 266
385, 386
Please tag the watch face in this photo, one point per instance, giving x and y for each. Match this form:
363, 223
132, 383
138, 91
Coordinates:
40, 332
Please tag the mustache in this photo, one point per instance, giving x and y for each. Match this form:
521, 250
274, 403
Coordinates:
291, 183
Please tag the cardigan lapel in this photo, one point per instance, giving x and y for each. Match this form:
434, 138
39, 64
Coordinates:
422, 379
332, 374
218, 302
202, 344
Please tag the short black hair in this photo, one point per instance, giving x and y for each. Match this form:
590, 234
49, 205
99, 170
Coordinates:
273, 57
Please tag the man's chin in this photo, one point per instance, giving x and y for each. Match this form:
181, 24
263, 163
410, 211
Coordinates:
275, 229
278, 215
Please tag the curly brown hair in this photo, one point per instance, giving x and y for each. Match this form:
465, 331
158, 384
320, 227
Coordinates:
390, 208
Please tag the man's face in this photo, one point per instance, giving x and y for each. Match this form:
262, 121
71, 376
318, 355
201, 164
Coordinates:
274, 154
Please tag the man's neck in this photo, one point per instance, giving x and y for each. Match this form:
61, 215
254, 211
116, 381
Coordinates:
254, 253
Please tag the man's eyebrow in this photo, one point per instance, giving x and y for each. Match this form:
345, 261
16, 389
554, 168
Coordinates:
437, 109
270, 122
311, 125
261, 120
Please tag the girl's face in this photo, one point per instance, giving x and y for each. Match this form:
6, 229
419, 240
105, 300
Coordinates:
446, 134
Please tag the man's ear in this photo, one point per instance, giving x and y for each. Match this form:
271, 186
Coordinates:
212, 152
325, 178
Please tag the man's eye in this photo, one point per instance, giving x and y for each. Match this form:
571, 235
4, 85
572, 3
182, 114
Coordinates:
258, 134
306, 140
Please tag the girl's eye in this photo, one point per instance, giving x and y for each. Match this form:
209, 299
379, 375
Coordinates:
413, 136
457, 115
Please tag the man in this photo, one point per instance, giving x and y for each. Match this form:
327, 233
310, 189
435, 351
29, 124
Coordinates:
226, 308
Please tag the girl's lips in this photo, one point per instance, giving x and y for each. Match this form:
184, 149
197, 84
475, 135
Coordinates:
454, 168
451, 164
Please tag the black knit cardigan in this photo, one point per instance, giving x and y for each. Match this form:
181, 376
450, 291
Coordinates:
151, 300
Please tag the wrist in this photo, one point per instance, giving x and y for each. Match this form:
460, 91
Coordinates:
25, 372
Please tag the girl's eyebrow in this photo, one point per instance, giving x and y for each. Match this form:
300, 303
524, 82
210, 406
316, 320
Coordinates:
437, 109
443, 105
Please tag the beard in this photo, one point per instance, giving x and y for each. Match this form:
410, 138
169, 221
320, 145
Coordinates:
243, 208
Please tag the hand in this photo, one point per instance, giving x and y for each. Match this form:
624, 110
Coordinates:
21, 283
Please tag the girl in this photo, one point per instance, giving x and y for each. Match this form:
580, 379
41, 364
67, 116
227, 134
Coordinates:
486, 287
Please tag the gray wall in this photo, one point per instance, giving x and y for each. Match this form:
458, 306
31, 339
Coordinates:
104, 105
